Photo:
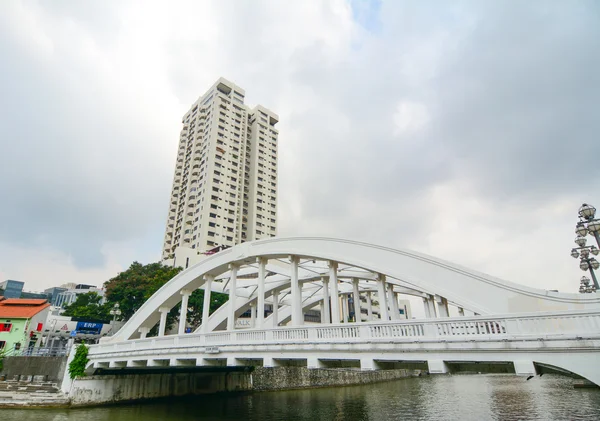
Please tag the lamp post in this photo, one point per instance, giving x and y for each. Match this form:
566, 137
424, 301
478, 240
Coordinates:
115, 312
587, 223
586, 262
585, 287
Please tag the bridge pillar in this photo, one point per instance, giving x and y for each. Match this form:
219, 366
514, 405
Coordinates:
143, 332
296, 287
437, 366
232, 296
383, 308
206, 304
314, 362
393, 303
270, 362
369, 307
524, 368
275, 315
442, 305
185, 295
369, 364
260, 291
333, 284
233, 362
356, 299
325, 315
430, 307
252, 315
345, 308
164, 311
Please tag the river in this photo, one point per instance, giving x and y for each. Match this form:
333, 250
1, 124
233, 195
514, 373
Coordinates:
456, 397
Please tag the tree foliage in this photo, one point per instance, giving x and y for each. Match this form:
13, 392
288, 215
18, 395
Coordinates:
134, 286
79, 362
196, 304
88, 306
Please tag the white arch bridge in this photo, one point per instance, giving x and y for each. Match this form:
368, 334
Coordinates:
353, 290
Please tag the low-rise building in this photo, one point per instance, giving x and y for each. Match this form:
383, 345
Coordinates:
21, 322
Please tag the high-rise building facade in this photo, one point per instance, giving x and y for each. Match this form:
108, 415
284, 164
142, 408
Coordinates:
225, 184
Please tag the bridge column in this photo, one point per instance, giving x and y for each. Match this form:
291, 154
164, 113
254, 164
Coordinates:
427, 309
325, 315
164, 311
524, 368
383, 307
297, 319
275, 315
314, 362
393, 302
437, 366
185, 295
333, 284
442, 305
143, 332
369, 364
252, 315
356, 299
345, 308
270, 362
232, 296
429, 303
206, 304
369, 307
260, 309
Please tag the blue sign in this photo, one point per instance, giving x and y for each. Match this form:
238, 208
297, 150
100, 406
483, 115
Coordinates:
89, 328
73, 333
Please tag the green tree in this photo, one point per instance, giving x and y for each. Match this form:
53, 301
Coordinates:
134, 286
196, 304
87, 306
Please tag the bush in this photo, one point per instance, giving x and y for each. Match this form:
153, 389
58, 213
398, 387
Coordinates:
80, 360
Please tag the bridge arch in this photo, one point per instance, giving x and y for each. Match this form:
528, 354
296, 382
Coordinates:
301, 270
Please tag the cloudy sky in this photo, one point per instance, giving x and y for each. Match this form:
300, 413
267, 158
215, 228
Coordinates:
466, 130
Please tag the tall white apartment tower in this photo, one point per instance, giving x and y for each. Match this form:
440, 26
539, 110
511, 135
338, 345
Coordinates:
225, 183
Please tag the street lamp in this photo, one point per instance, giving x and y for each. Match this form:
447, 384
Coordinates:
115, 312
588, 224
585, 287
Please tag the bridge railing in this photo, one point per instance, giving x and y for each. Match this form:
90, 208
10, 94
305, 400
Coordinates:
535, 325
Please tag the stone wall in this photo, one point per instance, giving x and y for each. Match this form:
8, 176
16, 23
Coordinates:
104, 389
281, 378
48, 368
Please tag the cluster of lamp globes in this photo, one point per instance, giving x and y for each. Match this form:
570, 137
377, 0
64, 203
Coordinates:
587, 225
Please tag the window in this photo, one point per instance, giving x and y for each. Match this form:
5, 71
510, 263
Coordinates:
5, 327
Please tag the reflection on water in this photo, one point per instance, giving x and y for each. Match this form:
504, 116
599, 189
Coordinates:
458, 397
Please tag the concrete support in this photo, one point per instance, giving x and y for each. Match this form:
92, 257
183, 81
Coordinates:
427, 308
437, 366
442, 305
314, 362
369, 307
185, 295
297, 315
143, 332
524, 368
333, 284
275, 315
164, 311
232, 296
369, 364
252, 316
383, 307
233, 362
260, 309
345, 312
356, 299
206, 304
431, 305
270, 362
325, 315
393, 300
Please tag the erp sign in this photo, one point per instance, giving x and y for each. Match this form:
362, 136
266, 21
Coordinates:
89, 328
